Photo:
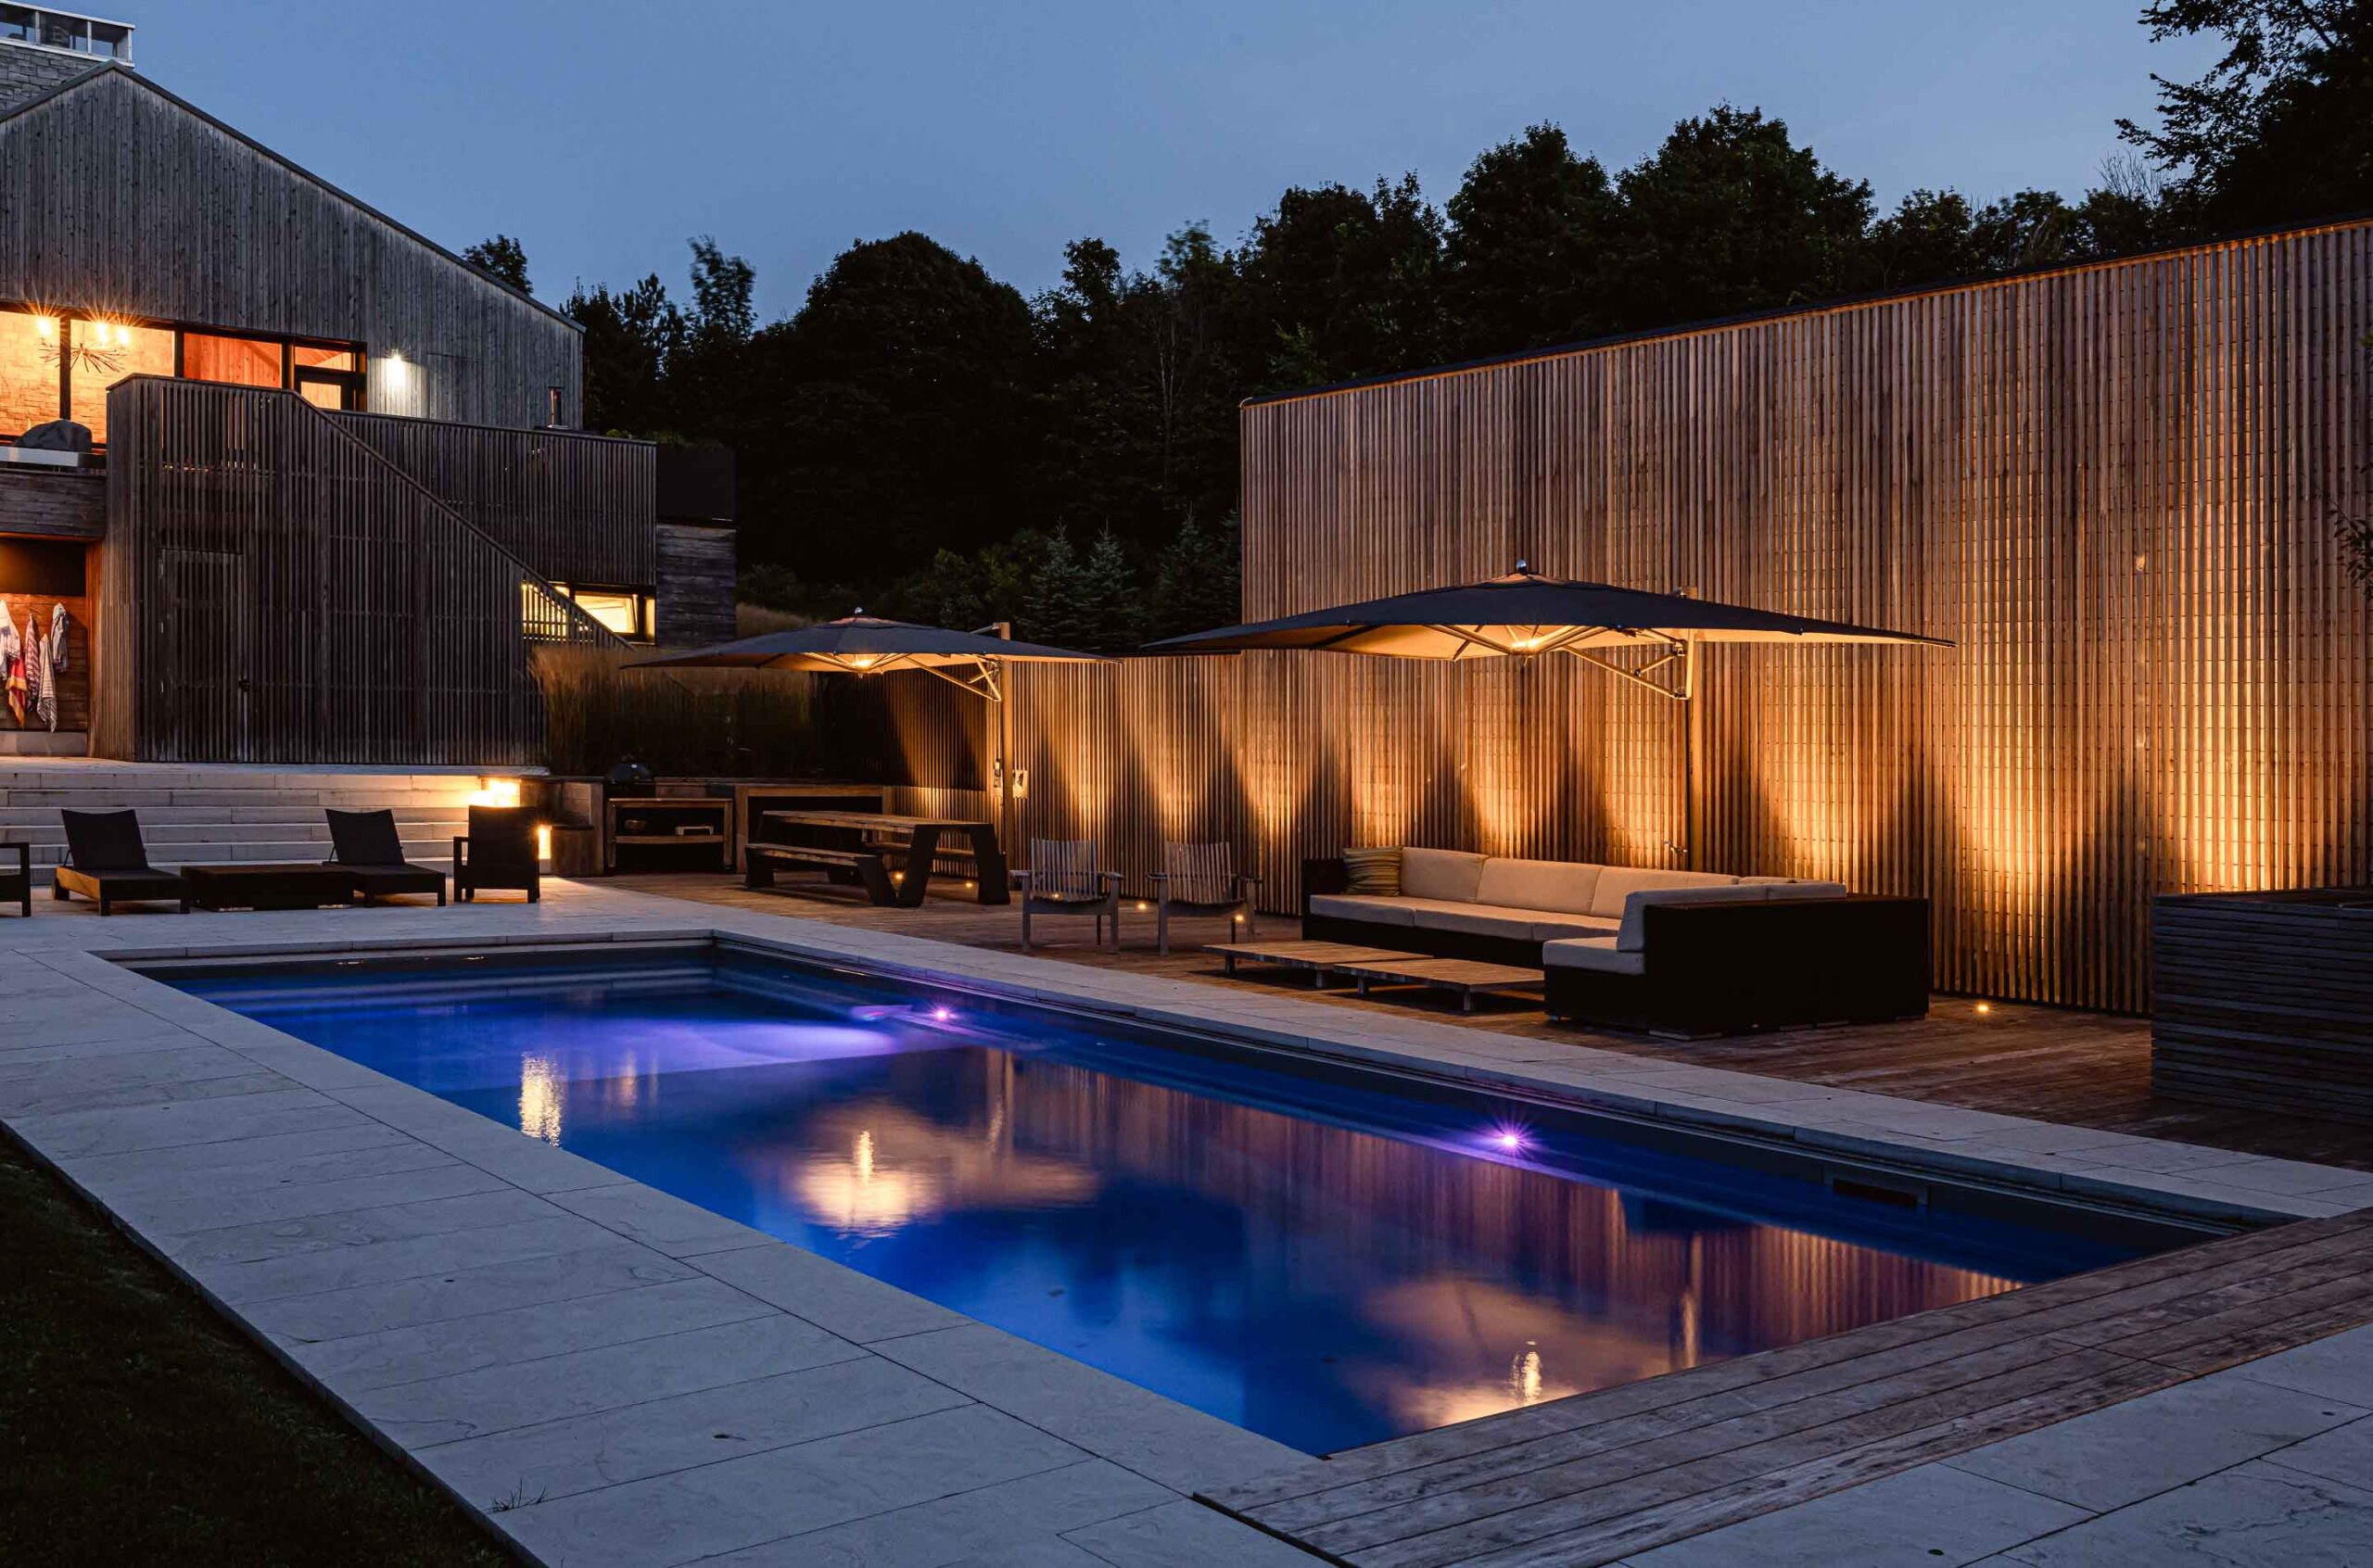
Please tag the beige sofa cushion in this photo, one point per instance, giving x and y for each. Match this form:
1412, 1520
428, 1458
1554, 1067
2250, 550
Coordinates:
1433, 873
1634, 934
1617, 883
1564, 886
1517, 924
1364, 906
1598, 953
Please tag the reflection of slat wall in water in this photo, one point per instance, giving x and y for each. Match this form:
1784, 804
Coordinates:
274, 591
1739, 1285
2109, 485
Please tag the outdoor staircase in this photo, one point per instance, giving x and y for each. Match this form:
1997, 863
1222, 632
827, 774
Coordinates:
193, 815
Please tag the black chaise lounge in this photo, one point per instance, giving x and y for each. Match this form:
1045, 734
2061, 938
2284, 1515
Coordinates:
17, 882
365, 846
107, 861
500, 851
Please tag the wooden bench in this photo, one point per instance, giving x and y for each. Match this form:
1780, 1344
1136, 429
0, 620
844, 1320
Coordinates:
861, 866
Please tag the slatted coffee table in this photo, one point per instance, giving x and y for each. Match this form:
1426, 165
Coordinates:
1465, 976
1318, 957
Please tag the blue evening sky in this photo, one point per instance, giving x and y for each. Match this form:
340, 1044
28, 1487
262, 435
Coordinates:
602, 134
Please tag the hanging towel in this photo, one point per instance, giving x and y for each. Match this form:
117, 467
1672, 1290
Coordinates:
14, 649
57, 637
41, 685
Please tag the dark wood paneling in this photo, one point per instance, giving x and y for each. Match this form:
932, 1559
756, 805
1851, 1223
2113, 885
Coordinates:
696, 585
278, 592
2265, 1001
56, 503
575, 508
118, 198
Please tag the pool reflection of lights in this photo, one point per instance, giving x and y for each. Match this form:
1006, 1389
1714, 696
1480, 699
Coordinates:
1509, 1140
941, 1015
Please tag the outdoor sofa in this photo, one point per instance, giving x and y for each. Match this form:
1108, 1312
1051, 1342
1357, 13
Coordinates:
1645, 948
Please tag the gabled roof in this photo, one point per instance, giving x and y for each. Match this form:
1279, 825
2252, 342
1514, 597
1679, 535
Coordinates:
142, 80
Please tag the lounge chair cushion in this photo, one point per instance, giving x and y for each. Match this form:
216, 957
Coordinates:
1634, 936
366, 838
1565, 886
105, 841
1365, 907
1373, 871
1618, 883
1433, 873
1599, 953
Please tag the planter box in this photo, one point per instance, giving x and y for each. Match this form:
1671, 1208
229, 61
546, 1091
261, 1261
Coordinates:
2265, 1000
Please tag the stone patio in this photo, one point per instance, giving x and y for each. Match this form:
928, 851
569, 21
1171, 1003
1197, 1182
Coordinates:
611, 1375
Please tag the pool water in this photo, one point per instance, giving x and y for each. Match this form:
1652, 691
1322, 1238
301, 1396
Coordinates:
1324, 1257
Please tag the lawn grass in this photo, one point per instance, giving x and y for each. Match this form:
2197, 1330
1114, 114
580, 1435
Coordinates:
136, 1426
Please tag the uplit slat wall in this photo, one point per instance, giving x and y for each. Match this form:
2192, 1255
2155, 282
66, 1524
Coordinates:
272, 590
2110, 486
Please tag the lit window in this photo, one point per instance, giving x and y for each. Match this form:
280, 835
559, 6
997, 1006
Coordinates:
105, 352
320, 356
28, 371
245, 361
621, 611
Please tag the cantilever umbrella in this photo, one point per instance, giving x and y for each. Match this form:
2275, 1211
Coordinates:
1525, 616
868, 645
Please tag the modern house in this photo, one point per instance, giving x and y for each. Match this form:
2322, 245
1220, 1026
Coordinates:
335, 489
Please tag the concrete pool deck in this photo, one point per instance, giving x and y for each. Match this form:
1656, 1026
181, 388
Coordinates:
610, 1374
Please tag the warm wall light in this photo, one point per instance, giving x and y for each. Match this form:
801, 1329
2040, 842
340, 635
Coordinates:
45, 326
496, 792
1986, 1007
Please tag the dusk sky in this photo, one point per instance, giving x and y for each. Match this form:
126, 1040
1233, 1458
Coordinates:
602, 135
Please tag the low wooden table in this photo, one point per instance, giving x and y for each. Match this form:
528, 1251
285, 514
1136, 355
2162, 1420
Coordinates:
1318, 957
1467, 977
264, 884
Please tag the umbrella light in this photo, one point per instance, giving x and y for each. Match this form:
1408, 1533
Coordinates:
1525, 616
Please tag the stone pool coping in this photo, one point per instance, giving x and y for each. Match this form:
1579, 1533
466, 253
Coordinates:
577, 1356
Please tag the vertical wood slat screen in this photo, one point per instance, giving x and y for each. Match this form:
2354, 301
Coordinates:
272, 590
576, 508
2110, 486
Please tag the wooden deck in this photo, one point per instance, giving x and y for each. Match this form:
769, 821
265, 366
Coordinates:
1592, 1478
2084, 1069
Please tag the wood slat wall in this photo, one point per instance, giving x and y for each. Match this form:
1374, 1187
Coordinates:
117, 198
275, 591
2110, 486
576, 508
61, 503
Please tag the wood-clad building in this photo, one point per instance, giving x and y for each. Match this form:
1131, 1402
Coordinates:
142, 240
2111, 486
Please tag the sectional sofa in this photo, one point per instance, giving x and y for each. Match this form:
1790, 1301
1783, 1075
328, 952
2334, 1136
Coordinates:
1638, 947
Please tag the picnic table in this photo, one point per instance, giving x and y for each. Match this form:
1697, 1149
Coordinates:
859, 845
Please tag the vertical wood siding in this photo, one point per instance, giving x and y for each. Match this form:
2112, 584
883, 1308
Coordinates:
2110, 486
575, 508
272, 590
117, 198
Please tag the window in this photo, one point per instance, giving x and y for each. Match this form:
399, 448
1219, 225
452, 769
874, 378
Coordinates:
246, 361
623, 610
105, 352
29, 375
55, 366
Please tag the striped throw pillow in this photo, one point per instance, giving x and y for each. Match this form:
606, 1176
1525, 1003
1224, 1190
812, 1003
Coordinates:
1375, 871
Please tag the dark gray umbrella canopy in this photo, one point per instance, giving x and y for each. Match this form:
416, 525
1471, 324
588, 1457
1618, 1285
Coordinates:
862, 644
1524, 613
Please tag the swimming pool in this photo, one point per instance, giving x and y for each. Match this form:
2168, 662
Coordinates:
1323, 1256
